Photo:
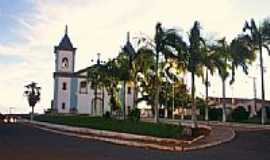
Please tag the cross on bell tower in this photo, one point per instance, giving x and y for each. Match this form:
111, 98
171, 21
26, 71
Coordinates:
66, 29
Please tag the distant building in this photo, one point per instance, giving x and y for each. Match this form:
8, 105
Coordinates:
72, 91
251, 105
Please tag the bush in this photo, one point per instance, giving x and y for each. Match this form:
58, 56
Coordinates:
124, 126
107, 115
134, 115
215, 114
240, 114
267, 110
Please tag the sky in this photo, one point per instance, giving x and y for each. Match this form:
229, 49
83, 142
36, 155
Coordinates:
29, 30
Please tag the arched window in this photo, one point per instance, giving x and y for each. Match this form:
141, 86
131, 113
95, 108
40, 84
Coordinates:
65, 62
83, 87
64, 86
63, 105
129, 90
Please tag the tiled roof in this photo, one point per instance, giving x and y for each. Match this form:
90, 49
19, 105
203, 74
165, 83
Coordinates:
65, 43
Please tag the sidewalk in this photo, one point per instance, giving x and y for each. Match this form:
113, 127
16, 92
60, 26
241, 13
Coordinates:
218, 135
238, 126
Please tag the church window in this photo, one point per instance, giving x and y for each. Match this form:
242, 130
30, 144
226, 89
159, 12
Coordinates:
64, 86
129, 90
65, 62
83, 87
63, 105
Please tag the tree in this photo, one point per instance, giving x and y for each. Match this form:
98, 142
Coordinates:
196, 52
259, 38
222, 53
164, 44
33, 96
129, 50
111, 81
124, 62
230, 57
211, 62
96, 74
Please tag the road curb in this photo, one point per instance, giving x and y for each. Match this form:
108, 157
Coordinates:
125, 138
226, 140
238, 125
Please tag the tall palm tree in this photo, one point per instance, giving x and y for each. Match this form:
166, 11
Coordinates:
33, 96
96, 75
210, 61
163, 43
189, 55
230, 57
192, 54
124, 74
222, 53
259, 36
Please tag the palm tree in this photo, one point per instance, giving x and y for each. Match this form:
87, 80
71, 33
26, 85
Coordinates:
95, 75
230, 56
222, 54
210, 61
33, 96
131, 53
111, 80
189, 56
259, 38
164, 43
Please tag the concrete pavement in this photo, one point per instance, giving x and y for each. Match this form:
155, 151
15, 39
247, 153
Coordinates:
22, 142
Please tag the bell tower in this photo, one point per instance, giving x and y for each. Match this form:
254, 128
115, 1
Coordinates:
63, 74
65, 55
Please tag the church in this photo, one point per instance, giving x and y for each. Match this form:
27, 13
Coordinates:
72, 90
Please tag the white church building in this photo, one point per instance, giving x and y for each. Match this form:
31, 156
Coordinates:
72, 91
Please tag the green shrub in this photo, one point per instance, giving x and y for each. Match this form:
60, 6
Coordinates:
240, 114
124, 126
134, 115
107, 115
215, 114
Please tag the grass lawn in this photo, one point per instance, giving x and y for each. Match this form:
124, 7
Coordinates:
254, 120
142, 128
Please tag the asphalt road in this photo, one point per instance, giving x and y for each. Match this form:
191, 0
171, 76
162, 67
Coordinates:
22, 142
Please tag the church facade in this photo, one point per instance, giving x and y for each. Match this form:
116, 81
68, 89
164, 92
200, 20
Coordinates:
72, 90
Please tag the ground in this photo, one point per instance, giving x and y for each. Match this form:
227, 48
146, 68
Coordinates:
18, 141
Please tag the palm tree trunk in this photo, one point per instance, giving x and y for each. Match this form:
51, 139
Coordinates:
95, 102
135, 95
224, 115
156, 99
194, 110
124, 100
156, 105
103, 102
263, 114
32, 113
206, 96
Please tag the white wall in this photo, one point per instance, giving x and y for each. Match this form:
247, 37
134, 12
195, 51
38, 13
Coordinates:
63, 95
69, 55
129, 97
84, 100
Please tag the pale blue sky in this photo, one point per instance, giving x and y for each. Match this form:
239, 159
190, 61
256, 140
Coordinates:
29, 29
